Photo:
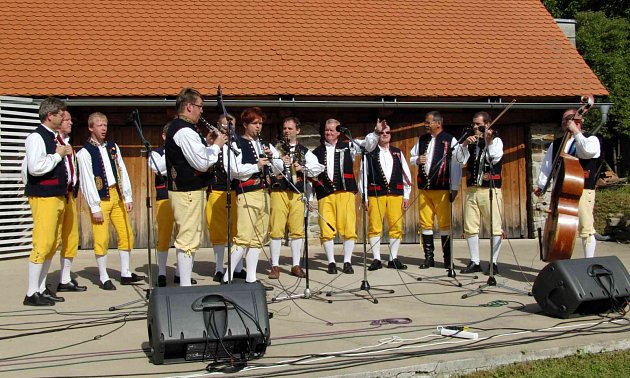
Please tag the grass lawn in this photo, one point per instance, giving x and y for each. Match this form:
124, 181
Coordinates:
609, 364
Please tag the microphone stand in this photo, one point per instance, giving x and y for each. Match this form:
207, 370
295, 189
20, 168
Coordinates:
365, 285
492, 282
134, 118
307, 291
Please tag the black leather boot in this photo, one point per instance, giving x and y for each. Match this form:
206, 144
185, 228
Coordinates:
427, 247
446, 249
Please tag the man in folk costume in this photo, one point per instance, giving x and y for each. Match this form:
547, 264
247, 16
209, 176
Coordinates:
438, 182
107, 191
587, 148
388, 189
483, 152
336, 187
188, 158
287, 206
48, 186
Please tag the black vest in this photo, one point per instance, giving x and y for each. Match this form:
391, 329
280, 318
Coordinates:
478, 172
588, 165
100, 178
377, 182
182, 177
342, 180
219, 177
278, 182
249, 156
161, 192
439, 175
53, 183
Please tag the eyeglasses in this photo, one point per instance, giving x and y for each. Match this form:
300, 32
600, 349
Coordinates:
199, 106
386, 132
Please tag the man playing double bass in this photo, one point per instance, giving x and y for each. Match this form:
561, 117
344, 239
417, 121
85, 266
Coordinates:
587, 149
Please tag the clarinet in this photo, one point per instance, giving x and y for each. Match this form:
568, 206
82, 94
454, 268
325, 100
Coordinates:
216, 132
266, 170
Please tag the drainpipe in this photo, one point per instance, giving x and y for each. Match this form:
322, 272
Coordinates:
603, 108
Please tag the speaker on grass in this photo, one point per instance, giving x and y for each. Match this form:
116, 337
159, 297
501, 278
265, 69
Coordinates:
213, 323
582, 286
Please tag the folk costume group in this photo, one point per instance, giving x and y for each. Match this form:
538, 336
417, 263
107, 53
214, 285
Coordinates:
268, 189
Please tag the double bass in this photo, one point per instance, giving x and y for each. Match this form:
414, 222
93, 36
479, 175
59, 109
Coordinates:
561, 226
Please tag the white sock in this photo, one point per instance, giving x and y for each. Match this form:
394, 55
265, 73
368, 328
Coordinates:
124, 264
589, 244
34, 271
43, 274
296, 250
329, 249
251, 259
236, 257
162, 258
185, 264
496, 247
348, 247
66, 266
219, 255
394, 244
473, 248
274, 247
375, 243
101, 263
239, 265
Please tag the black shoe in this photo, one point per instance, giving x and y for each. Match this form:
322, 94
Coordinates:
192, 280
37, 300
242, 274
375, 265
396, 264
218, 277
73, 285
131, 280
161, 281
108, 285
428, 263
471, 268
332, 268
347, 268
52, 296
495, 269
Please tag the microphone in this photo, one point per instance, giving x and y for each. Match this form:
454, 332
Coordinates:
133, 116
341, 129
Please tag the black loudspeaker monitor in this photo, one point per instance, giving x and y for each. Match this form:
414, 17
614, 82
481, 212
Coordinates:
597, 285
212, 323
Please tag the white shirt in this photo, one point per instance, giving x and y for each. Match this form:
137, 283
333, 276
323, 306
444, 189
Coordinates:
198, 155
88, 186
455, 168
585, 148
157, 163
494, 152
37, 162
369, 143
243, 171
387, 164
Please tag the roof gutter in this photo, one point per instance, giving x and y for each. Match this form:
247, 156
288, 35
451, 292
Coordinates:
383, 104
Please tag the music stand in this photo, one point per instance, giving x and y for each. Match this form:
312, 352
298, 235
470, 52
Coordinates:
365, 285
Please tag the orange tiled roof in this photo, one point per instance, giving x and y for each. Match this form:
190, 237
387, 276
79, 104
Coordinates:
275, 47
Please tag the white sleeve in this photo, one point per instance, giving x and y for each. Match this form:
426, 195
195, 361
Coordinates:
545, 168
199, 156
406, 177
88, 186
313, 168
158, 162
586, 148
124, 180
456, 168
413, 155
38, 162
495, 151
241, 171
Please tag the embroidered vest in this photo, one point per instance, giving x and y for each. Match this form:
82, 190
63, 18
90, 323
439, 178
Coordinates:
439, 173
478, 172
343, 177
98, 167
53, 183
377, 181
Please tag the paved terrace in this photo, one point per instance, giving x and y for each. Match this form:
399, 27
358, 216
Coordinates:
352, 336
